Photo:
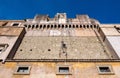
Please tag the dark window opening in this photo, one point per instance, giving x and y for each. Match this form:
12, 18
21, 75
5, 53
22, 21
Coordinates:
64, 69
83, 26
40, 26
48, 26
90, 26
80, 26
66, 26
73, 26
55, 26
76, 26
62, 26
44, 26
51, 26
22, 69
36, 26
29, 26
33, 26
69, 26
87, 26
104, 69
15, 24
25, 25
94, 26
58, 26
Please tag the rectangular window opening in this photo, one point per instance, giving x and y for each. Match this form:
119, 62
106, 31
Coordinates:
15, 24
22, 70
64, 69
105, 70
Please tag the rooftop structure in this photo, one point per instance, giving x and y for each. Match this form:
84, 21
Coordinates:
59, 47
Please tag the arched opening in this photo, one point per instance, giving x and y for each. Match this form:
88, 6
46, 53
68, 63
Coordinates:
37, 26
80, 26
94, 26
25, 25
51, 26
40, 26
29, 26
76, 26
55, 26
87, 26
69, 26
73, 26
90, 26
48, 26
66, 26
62, 26
58, 26
83, 26
44, 26
33, 26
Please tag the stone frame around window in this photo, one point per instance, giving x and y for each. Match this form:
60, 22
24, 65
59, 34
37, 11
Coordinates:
22, 68
67, 69
12, 24
108, 70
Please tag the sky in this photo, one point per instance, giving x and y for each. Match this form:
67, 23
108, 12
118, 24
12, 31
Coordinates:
106, 11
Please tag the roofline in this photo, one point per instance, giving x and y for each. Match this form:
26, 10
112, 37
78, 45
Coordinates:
10, 20
63, 60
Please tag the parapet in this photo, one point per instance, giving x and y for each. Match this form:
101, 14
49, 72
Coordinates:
61, 18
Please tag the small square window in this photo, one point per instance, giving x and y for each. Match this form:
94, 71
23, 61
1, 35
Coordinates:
64, 70
105, 69
22, 70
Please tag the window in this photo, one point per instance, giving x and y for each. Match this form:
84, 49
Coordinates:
22, 70
3, 47
105, 69
15, 24
64, 70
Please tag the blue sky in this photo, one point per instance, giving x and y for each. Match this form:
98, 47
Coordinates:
106, 11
